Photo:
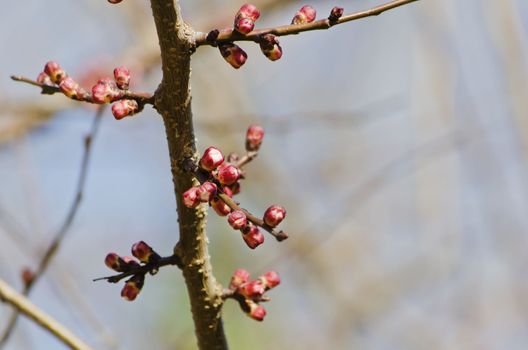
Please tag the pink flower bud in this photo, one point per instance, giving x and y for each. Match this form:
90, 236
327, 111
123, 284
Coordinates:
227, 174
228, 191
122, 77
106, 91
132, 287
252, 236
27, 275
270, 279
124, 108
190, 197
244, 25
305, 15
256, 311
45, 79
237, 219
233, 54
254, 137
335, 14
274, 215
114, 262
144, 252
55, 72
234, 188
130, 262
249, 11
252, 290
206, 191
269, 45
240, 276
220, 207
211, 159
71, 88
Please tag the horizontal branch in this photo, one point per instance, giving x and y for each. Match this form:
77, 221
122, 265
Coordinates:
229, 35
22, 304
280, 236
151, 267
141, 97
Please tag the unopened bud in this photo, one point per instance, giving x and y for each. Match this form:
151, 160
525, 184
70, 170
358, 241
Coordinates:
206, 191
220, 207
237, 219
305, 15
144, 252
27, 275
252, 236
274, 215
132, 287
256, 311
122, 77
55, 72
233, 54
124, 108
335, 14
270, 279
249, 11
106, 91
234, 188
269, 45
254, 137
244, 25
71, 88
190, 197
227, 174
240, 276
211, 159
45, 79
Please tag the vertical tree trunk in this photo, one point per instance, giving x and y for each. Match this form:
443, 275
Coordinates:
173, 102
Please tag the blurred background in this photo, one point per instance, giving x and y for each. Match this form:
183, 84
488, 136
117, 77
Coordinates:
398, 144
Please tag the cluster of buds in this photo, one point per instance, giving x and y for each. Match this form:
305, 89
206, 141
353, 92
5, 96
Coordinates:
106, 90
53, 75
250, 293
220, 181
143, 255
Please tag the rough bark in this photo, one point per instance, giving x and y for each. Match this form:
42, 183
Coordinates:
173, 102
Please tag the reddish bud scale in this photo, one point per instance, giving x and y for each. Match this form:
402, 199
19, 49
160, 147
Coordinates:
45, 79
106, 91
252, 290
27, 276
227, 174
233, 54
274, 215
114, 262
206, 191
335, 14
211, 159
305, 15
240, 276
244, 25
130, 262
71, 88
237, 219
144, 252
256, 311
191, 198
220, 207
55, 72
228, 191
234, 188
124, 108
270, 279
269, 45
254, 137
122, 77
252, 236
249, 11
132, 287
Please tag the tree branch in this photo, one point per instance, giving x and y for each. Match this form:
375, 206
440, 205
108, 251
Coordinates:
23, 305
173, 102
229, 35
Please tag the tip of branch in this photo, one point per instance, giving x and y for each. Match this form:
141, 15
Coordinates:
281, 236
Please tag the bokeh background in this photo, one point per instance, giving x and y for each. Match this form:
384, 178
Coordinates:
398, 144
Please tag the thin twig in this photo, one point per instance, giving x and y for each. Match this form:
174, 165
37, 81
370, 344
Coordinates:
141, 97
229, 35
23, 305
279, 236
152, 268
64, 229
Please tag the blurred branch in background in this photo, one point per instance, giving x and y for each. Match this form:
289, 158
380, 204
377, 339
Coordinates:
65, 227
